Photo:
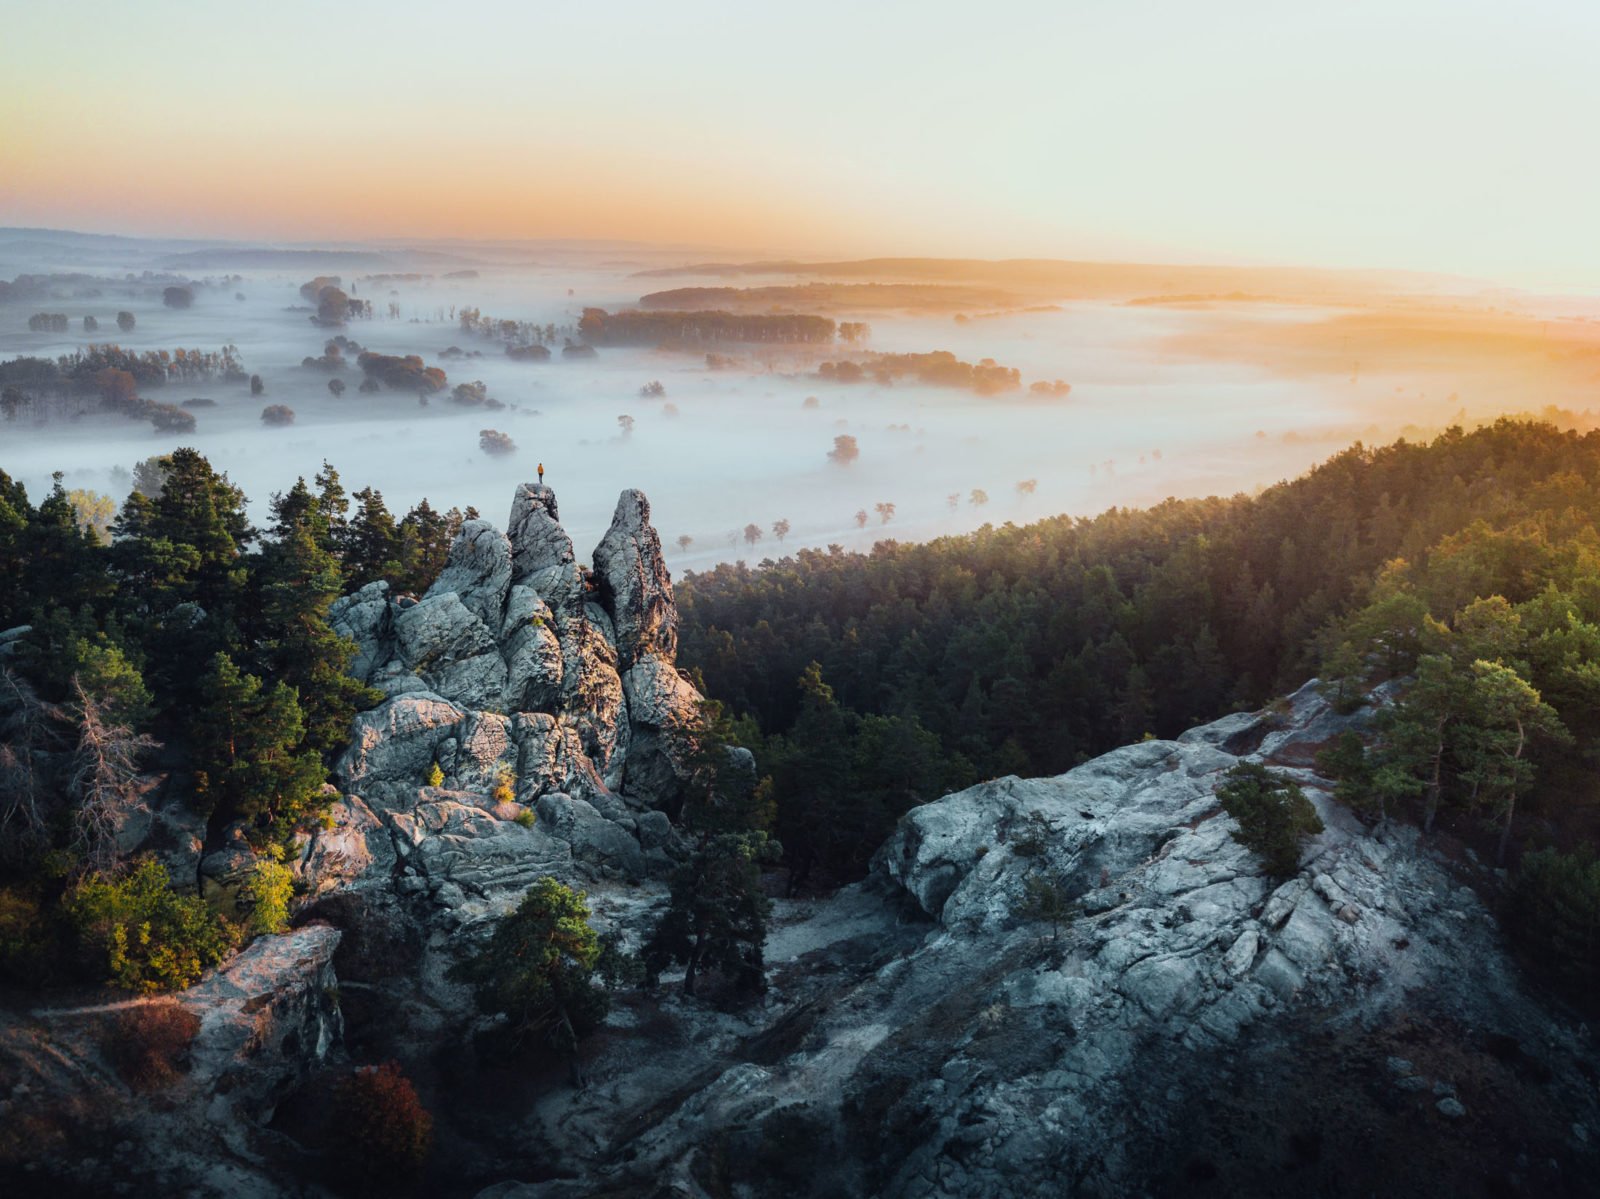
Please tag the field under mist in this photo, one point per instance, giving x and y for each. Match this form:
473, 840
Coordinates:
1177, 397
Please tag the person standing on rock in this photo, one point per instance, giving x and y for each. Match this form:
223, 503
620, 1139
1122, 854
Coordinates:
541, 474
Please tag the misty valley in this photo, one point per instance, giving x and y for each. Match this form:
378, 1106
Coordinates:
1023, 727
1099, 393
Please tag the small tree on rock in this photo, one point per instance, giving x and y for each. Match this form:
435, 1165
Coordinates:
537, 970
1274, 815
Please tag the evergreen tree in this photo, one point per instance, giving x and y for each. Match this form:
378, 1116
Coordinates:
249, 759
299, 582
1506, 713
425, 538
716, 916
537, 969
373, 544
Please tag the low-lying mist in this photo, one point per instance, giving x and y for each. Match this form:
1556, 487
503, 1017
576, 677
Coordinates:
1167, 399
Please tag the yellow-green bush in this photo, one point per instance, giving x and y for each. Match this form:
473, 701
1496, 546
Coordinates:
264, 897
144, 935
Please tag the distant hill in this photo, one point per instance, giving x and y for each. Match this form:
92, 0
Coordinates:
1088, 280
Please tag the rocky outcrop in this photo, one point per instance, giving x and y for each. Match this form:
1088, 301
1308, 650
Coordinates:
517, 669
634, 585
1196, 1026
170, 1096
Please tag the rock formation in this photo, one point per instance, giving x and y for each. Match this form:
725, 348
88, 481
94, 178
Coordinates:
518, 667
1194, 1026
170, 1096
1198, 1022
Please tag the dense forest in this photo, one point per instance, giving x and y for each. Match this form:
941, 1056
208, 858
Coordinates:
1471, 564
1463, 574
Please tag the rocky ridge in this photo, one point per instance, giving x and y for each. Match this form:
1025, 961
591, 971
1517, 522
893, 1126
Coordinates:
925, 1037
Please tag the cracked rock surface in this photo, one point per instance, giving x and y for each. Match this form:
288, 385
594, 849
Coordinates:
924, 1038
519, 668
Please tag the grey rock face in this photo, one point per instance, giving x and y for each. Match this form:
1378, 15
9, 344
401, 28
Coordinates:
634, 584
541, 549
449, 842
986, 1054
478, 571
393, 745
593, 838
535, 667
510, 669
352, 845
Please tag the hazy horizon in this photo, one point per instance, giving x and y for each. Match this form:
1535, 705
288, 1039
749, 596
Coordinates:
1245, 134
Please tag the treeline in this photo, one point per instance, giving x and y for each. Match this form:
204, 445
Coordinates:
635, 328
518, 335
41, 387
1029, 649
189, 645
77, 370
940, 368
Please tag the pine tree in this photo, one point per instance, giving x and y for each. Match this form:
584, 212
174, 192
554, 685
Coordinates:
372, 548
248, 750
716, 916
538, 966
425, 538
299, 582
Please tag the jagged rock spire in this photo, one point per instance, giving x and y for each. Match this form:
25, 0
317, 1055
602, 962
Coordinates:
538, 542
635, 587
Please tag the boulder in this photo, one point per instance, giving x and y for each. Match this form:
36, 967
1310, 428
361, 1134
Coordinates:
393, 745
448, 840
364, 617
349, 846
595, 840
441, 629
551, 758
484, 753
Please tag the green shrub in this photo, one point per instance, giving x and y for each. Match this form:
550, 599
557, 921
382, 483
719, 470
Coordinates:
1274, 815
505, 788
434, 777
265, 896
142, 934
525, 818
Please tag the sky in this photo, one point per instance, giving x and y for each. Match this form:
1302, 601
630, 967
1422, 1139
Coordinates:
1439, 135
